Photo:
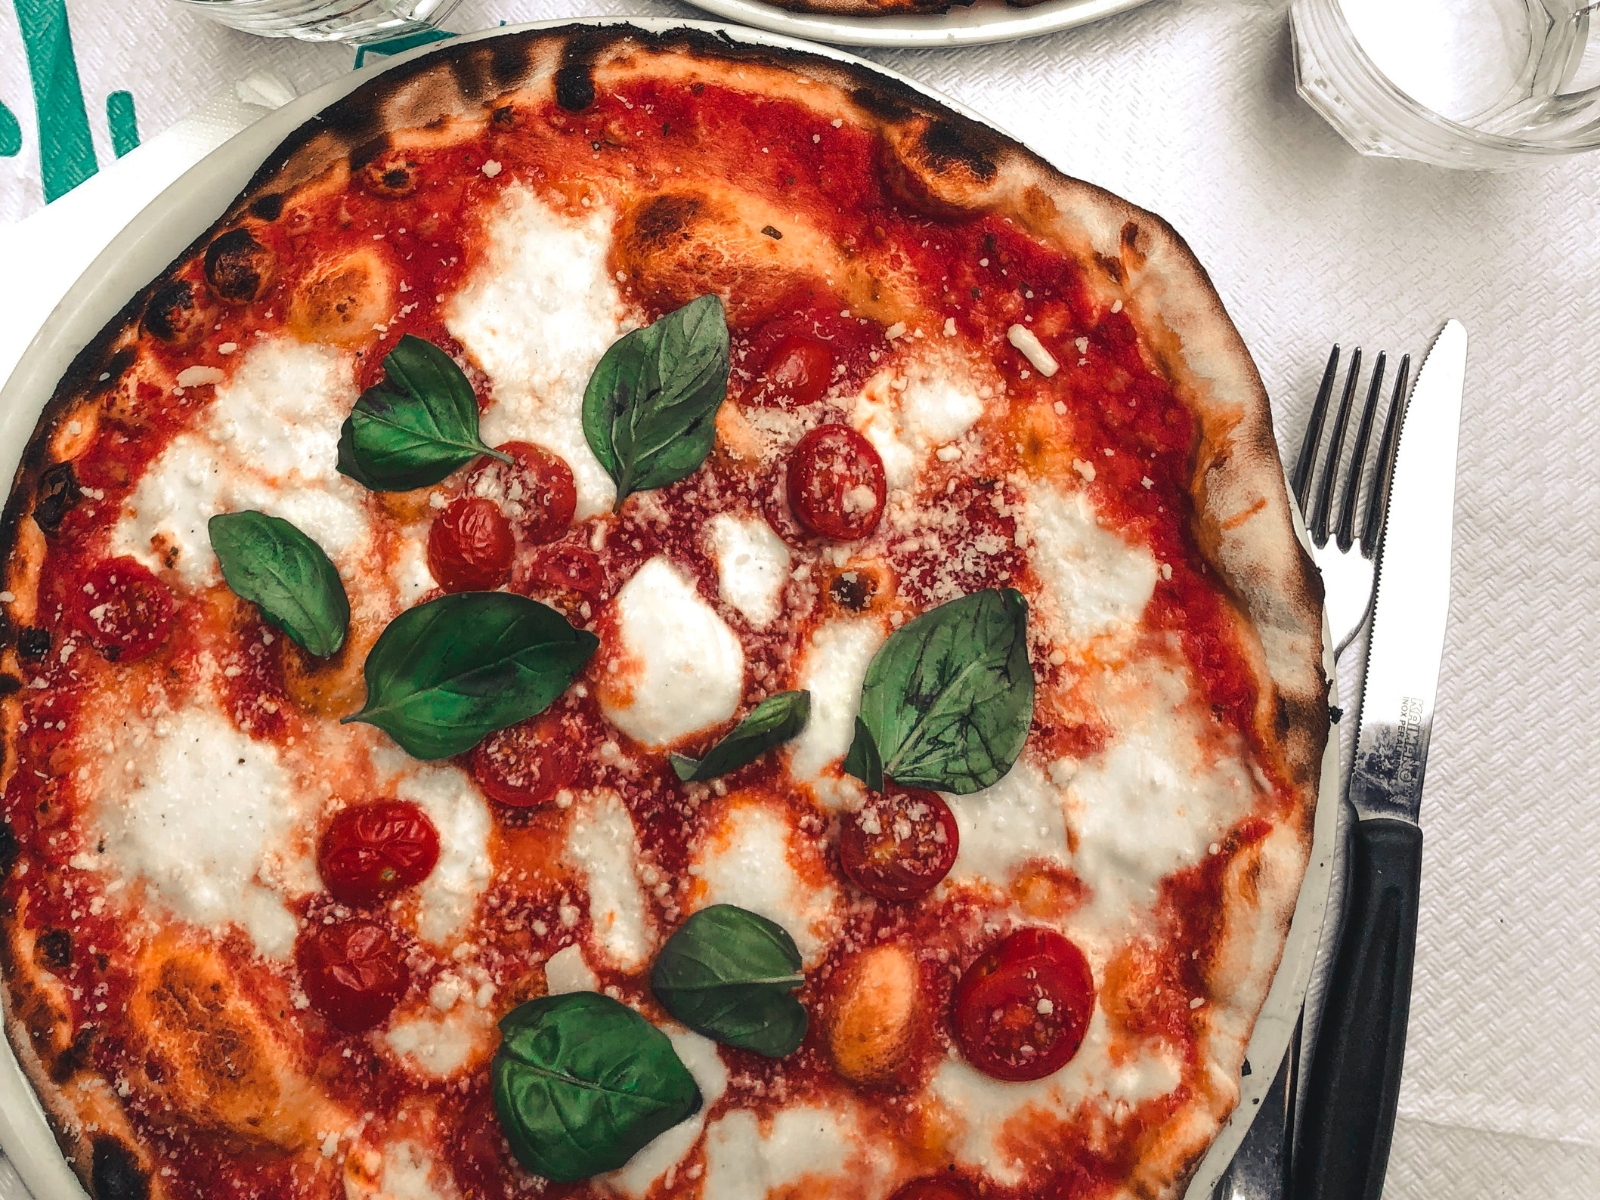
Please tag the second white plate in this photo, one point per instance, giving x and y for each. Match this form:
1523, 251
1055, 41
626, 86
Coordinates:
982, 22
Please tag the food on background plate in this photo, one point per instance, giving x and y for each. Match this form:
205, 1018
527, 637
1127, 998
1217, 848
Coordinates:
645, 616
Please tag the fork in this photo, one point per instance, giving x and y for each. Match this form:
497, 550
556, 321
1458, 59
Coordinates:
1344, 547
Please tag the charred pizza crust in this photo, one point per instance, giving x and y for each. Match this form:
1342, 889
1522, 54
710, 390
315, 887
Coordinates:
937, 161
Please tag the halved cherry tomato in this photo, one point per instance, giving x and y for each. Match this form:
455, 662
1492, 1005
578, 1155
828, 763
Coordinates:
526, 764
536, 491
371, 851
352, 971
797, 372
470, 546
1021, 1010
836, 483
123, 609
574, 570
900, 845
932, 1187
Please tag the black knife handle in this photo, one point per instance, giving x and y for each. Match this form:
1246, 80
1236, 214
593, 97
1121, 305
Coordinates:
1354, 1085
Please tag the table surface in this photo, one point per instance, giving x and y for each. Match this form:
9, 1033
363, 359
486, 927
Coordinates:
1188, 108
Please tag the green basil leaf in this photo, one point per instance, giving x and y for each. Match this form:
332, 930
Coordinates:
269, 562
416, 426
582, 1083
730, 974
949, 698
773, 722
650, 410
446, 674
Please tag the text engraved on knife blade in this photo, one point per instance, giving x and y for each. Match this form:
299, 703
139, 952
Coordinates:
1390, 759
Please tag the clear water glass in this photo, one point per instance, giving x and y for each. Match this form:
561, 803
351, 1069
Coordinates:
1460, 83
355, 21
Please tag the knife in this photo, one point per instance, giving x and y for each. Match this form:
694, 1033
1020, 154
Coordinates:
1354, 1084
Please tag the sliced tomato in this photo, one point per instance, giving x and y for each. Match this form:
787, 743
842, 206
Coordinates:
470, 546
933, 1187
369, 852
535, 490
900, 845
123, 609
569, 570
353, 972
526, 764
797, 372
1021, 1009
836, 483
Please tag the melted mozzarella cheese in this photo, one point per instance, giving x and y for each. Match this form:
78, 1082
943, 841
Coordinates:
604, 846
678, 668
1017, 820
269, 441
202, 814
568, 972
537, 316
440, 1044
410, 573
748, 862
743, 1160
1096, 580
877, 418
834, 669
752, 566
662, 1155
940, 406
409, 1173
448, 897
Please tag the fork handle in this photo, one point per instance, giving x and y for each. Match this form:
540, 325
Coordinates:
1354, 1085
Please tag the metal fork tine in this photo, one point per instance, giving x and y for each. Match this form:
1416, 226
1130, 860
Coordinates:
1346, 533
1301, 479
1378, 498
1330, 468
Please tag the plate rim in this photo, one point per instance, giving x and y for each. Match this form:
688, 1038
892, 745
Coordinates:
191, 203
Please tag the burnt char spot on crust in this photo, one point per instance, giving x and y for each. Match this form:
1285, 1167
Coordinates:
10, 685
948, 145
507, 64
9, 849
53, 949
574, 86
367, 151
115, 368
75, 1057
174, 314
880, 104
268, 207
238, 267
33, 644
661, 218
57, 495
115, 1173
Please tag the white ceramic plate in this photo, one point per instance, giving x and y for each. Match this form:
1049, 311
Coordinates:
975, 25
184, 211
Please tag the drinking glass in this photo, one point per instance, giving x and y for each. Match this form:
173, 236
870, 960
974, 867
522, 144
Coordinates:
353, 21
1460, 83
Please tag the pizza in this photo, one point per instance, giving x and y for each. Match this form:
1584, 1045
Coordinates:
648, 616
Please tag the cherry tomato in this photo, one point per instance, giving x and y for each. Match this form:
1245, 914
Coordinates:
575, 570
796, 373
1021, 1010
526, 764
836, 483
352, 971
535, 491
470, 546
371, 851
123, 609
900, 845
933, 1187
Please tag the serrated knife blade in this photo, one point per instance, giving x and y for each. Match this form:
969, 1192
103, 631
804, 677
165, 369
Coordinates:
1353, 1086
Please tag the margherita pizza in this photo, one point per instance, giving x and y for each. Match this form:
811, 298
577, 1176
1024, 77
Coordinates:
653, 617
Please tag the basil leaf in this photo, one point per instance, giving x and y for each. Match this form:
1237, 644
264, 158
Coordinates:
582, 1083
269, 562
771, 723
448, 673
949, 698
729, 974
650, 410
416, 426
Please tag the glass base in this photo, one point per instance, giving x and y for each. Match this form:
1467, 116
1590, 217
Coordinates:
356, 22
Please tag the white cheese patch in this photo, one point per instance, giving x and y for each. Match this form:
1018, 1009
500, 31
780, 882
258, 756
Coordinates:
662, 1155
440, 1044
752, 566
410, 1173
537, 316
1154, 800
678, 669
743, 1161
1097, 581
940, 406
833, 670
202, 814
746, 861
269, 441
602, 843
448, 897
877, 418
1017, 820
568, 972
410, 573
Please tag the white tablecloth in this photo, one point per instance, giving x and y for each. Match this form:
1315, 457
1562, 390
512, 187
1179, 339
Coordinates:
1189, 109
